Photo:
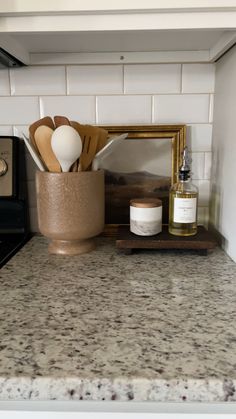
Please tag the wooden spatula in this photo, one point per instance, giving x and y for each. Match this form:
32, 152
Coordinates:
102, 135
77, 127
102, 139
89, 136
42, 137
61, 120
47, 121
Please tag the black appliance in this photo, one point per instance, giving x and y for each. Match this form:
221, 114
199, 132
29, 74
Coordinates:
14, 230
8, 60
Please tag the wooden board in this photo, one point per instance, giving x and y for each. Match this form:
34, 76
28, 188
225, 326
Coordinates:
202, 241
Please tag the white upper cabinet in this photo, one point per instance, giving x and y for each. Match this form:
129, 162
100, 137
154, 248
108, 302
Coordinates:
105, 31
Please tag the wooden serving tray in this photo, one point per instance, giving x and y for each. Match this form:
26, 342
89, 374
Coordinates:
202, 241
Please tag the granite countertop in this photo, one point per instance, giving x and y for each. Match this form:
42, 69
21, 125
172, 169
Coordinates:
104, 326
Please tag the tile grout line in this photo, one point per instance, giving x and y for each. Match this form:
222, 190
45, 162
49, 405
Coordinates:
204, 173
152, 109
113, 94
40, 107
66, 81
211, 108
123, 80
96, 109
10, 82
181, 78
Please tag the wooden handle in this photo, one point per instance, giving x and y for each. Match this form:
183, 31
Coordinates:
43, 137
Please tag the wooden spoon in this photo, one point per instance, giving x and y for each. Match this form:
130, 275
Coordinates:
76, 125
89, 136
61, 120
47, 120
43, 135
90, 139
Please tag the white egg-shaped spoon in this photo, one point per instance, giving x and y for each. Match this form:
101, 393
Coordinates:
67, 146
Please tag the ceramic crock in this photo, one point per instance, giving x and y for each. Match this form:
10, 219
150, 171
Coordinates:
70, 209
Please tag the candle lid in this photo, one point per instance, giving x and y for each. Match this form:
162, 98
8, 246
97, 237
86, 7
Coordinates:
146, 202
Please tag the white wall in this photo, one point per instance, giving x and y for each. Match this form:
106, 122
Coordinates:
223, 198
115, 95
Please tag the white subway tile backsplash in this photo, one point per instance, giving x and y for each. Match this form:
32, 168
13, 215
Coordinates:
211, 108
18, 110
115, 94
203, 216
204, 191
6, 130
200, 137
198, 78
181, 109
124, 109
198, 160
207, 166
20, 129
152, 78
43, 80
77, 108
96, 79
4, 83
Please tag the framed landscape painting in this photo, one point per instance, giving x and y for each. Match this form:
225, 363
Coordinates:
145, 164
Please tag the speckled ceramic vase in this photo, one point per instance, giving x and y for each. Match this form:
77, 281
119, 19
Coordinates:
70, 209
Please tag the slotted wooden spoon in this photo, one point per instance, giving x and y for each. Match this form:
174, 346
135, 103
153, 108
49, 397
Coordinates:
89, 136
43, 135
47, 121
77, 127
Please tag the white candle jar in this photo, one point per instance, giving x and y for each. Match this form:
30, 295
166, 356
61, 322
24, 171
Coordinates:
146, 216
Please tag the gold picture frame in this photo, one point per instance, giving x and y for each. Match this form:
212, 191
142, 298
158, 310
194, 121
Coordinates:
175, 133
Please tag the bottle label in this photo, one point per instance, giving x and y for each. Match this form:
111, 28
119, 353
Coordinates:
185, 210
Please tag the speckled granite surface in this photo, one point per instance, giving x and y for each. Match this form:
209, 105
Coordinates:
103, 326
